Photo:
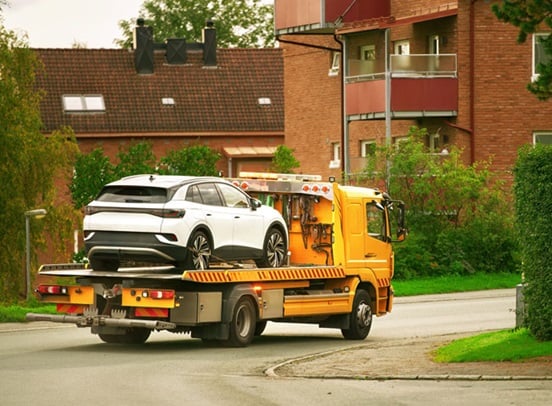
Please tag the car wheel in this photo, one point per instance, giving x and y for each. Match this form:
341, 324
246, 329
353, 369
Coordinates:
274, 250
109, 265
199, 251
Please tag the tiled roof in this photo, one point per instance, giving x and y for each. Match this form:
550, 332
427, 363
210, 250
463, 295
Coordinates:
224, 99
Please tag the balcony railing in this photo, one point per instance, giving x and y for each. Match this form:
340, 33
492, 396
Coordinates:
404, 66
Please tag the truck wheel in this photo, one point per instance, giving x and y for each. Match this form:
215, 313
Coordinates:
199, 251
243, 324
274, 250
361, 317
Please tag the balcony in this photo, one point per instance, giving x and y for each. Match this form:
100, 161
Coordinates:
422, 85
323, 16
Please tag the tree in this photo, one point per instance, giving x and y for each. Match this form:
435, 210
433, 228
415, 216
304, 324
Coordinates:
284, 161
458, 218
530, 16
31, 165
239, 23
196, 160
92, 171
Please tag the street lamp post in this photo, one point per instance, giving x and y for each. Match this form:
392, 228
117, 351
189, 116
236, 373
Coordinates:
38, 213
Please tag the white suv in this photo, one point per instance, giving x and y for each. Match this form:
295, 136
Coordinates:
184, 221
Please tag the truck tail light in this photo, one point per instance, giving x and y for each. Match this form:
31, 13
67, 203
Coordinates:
158, 294
52, 290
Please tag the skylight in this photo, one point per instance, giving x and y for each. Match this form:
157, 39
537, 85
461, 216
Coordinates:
264, 101
75, 103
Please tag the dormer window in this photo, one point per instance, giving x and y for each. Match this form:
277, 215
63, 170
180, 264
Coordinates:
83, 103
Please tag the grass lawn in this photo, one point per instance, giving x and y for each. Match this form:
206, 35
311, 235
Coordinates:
455, 283
505, 345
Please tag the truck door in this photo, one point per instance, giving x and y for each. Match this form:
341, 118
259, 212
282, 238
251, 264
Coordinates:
377, 247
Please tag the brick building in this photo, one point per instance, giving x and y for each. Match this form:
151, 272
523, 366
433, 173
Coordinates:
173, 94
360, 73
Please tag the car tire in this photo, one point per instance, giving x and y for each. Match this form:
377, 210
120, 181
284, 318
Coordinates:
199, 251
274, 250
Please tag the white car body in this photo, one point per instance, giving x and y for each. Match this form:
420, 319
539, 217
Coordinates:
162, 219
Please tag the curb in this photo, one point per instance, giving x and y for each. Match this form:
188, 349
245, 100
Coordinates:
271, 373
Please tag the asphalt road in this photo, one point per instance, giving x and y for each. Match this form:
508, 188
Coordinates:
67, 366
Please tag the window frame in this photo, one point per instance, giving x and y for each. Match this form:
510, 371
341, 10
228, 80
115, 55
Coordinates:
538, 53
83, 103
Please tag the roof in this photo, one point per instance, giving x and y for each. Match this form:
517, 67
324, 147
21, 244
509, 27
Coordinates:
222, 99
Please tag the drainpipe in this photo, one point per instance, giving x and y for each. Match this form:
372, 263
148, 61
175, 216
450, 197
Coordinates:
345, 169
472, 80
387, 107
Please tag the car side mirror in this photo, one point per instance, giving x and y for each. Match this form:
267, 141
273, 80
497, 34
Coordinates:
255, 203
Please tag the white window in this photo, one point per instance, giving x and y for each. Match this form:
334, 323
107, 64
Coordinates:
539, 53
367, 148
368, 53
83, 103
336, 61
335, 163
402, 47
542, 137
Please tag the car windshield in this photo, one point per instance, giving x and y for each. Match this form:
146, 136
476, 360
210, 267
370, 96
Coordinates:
133, 194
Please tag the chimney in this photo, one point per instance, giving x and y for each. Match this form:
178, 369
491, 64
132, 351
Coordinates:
143, 48
176, 51
210, 44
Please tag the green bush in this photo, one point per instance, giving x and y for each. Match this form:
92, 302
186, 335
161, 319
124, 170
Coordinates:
533, 194
459, 219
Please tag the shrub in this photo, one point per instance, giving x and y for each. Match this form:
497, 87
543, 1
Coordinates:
533, 202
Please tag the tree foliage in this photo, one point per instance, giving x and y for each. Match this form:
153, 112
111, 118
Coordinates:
239, 23
458, 217
195, 160
530, 16
533, 191
31, 165
284, 161
94, 170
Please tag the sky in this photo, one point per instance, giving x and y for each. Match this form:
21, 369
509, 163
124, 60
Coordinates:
61, 23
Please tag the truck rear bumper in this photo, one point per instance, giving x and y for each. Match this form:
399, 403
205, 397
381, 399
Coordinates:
91, 321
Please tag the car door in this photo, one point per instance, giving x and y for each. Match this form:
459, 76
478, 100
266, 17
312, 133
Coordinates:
217, 217
248, 224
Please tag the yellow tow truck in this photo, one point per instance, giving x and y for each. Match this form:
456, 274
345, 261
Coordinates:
338, 274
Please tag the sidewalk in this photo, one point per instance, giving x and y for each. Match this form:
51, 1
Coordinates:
407, 359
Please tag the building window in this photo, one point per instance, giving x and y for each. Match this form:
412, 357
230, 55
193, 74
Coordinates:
368, 53
336, 156
367, 149
542, 138
336, 61
434, 44
402, 47
79, 103
539, 53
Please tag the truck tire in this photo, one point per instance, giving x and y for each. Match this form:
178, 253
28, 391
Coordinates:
274, 250
243, 324
360, 317
199, 251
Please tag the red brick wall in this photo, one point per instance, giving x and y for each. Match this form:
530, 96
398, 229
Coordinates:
313, 104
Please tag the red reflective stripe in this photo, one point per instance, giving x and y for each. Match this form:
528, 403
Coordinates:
151, 312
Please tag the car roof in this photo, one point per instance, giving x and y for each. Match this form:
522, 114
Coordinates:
162, 181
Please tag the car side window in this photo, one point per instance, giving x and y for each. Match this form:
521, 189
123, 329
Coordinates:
209, 194
193, 195
233, 197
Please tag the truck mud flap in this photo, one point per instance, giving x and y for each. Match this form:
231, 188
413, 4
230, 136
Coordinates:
83, 321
